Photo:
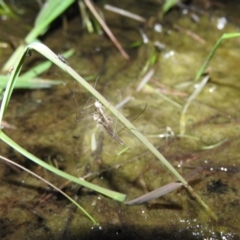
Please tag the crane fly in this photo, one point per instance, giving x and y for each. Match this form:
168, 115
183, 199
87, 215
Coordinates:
99, 116
101, 119
105, 122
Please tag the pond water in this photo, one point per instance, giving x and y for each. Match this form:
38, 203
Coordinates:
47, 124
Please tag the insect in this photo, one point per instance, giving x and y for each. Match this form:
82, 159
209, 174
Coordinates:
105, 122
29, 53
99, 108
62, 58
100, 118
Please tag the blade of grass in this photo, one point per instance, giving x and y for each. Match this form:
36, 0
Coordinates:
49, 12
114, 195
150, 62
150, 89
209, 57
168, 5
85, 18
34, 83
37, 70
145, 79
189, 101
125, 13
42, 67
12, 79
215, 145
51, 185
6, 10
26, 79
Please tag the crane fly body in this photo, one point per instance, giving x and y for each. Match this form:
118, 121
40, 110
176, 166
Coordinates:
105, 122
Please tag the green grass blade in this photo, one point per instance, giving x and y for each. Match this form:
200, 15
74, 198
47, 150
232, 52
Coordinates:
209, 57
85, 17
5, 10
10, 85
163, 96
68, 53
112, 194
51, 10
37, 70
35, 83
42, 67
168, 5
198, 89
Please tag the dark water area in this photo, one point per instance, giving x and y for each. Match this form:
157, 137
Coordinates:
46, 123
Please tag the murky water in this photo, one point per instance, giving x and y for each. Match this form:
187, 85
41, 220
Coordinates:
46, 125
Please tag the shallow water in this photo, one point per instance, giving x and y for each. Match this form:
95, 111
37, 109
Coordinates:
46, 125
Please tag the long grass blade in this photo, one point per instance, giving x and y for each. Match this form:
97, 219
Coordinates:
112, 194
209, 57
189, 101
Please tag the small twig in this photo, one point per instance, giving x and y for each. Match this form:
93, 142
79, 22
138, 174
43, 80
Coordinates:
124, 101
50, 184
165, 90
155, 193
190, 34
48, 196
106, 29
124, 13
145, 79
7, 125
